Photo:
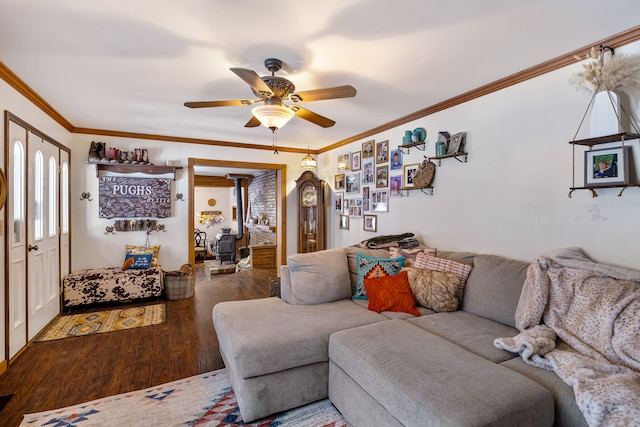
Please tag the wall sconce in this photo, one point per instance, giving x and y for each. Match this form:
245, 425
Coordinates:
109, 230
179, 196
86, 196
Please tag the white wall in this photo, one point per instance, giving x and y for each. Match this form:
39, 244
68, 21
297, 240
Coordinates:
511, 198
222, 196
91, 248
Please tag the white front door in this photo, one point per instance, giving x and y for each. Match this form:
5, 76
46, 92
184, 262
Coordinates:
43, 244
34, 256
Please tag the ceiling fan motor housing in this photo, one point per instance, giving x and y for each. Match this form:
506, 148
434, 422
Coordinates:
280, 86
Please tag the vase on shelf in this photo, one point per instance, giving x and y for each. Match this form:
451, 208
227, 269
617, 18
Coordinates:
605, 110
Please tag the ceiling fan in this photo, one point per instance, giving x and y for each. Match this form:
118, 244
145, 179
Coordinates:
273, 90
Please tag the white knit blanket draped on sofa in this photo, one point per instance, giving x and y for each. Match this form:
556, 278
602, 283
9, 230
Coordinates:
581, 320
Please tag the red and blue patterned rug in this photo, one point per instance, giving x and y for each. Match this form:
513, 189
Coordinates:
201, 400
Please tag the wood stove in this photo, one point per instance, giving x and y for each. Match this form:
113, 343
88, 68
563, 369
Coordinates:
225, 247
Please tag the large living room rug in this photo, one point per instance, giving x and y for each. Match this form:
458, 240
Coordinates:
104, 321
201, 400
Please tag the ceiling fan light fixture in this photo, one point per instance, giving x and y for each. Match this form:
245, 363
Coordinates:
273, 116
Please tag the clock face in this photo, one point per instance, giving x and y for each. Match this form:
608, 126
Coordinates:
309, 196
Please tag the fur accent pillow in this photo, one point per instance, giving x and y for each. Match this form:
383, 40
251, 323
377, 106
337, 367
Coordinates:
437, 290
429, 262
391, 293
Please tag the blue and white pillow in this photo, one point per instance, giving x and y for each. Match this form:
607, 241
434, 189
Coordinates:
137, 261
369, 267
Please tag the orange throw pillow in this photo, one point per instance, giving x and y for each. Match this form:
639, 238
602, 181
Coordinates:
391, 293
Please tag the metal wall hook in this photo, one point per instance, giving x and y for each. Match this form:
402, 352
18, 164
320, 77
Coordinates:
109, 230
179, 196
161, 228
86, 196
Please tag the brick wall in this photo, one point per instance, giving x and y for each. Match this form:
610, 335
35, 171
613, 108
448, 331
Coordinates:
262, 201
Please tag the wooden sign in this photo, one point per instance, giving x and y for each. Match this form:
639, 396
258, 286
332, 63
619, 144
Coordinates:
122, 197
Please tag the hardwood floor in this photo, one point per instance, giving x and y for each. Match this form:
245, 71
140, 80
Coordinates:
65, 372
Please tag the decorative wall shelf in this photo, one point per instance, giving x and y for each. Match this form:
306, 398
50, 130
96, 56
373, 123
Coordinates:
461, 157
420, 145
590, 142
426, 190
125, 168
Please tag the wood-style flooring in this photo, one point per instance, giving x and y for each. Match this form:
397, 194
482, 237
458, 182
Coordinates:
54, 374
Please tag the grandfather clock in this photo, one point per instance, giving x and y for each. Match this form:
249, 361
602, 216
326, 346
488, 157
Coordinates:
310, 213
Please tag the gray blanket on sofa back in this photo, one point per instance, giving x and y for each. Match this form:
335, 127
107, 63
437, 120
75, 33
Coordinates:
594, 310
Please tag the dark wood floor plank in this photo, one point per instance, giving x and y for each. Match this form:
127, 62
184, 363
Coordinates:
65, 372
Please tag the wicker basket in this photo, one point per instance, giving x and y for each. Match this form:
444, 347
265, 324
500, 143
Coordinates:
274, 286
178, 285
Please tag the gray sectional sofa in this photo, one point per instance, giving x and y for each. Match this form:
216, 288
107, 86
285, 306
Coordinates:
389, 368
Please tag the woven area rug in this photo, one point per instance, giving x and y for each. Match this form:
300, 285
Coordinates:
201, 400
104, 321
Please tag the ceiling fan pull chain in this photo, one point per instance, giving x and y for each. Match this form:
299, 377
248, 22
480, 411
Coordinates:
274, 142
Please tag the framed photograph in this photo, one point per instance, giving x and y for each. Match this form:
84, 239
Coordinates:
367, 149
382, 176
370, 222
396, 160
368, 177
339, 181
344, 162
455, 143
356, 157
609, 166
353, 182
355, 207
344, 222
380, 200
409, 173
339, 200
395, 186
382, 152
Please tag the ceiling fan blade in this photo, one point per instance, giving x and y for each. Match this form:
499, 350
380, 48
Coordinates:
314, 118
225, 103
253, 122
346, 91
253, 80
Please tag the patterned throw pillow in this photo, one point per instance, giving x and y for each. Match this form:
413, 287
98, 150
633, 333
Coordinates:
433, 289
391, 293
427, 262
369, 267
142, 250
137, 261
410, 254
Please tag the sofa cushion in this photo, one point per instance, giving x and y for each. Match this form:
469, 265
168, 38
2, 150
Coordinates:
436, 290
267, 335
463, 257
420, 379
369, 267
318, 277
391, 293
352, 252
469, 331
395, 314
494, 287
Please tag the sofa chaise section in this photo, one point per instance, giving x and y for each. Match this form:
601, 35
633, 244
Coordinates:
407, 376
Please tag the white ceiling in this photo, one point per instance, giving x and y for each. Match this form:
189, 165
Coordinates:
130, 65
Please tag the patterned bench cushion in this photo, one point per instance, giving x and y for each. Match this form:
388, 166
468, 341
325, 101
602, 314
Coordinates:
110, 284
